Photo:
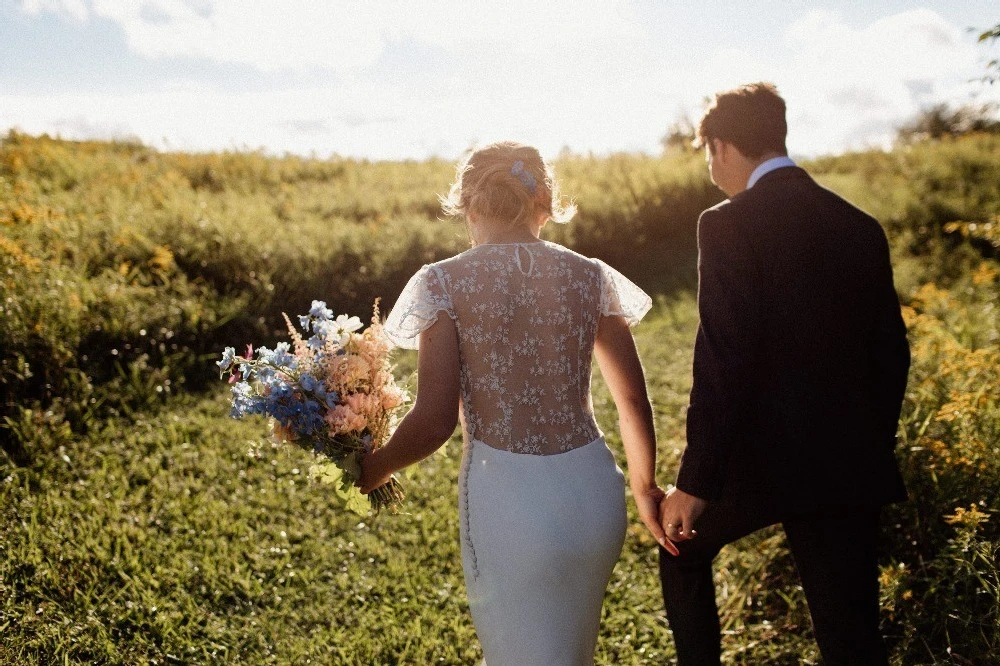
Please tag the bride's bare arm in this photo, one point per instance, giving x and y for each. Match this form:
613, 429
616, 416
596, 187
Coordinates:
622, 371
432, 419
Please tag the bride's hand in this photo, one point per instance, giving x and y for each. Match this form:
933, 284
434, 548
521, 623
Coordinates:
647, 502
371, 476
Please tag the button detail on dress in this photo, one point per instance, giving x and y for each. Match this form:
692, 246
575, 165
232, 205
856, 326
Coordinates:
517, 259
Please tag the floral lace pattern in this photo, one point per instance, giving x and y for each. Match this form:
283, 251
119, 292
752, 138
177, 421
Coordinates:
527, 316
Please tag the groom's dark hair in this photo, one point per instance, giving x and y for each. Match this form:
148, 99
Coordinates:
751, 117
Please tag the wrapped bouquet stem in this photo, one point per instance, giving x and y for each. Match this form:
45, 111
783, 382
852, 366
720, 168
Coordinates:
332, 393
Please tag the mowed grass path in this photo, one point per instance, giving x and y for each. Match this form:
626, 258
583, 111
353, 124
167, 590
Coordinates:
163, 542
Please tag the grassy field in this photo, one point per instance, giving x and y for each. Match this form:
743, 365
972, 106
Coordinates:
161, 540
135, 527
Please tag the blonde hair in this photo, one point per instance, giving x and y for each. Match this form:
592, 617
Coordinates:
506, 183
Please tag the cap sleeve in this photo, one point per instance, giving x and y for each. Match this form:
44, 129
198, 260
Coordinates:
621, 296
417, 307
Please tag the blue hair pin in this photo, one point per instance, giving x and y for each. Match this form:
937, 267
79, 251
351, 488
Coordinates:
523, 175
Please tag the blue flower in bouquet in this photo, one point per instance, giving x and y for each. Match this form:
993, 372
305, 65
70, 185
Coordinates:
283, 411
266, 375
320, 311
228, 357
304, 417
245, 402
310, 418
280, 390
310, 383
304, 322
279, 357
322, 328
332, 399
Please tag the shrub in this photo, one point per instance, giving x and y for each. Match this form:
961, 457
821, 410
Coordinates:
942, 585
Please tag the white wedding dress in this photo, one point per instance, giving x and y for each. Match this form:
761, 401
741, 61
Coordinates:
542, 501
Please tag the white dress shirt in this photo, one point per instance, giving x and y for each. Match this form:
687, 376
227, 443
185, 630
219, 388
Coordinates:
767, 167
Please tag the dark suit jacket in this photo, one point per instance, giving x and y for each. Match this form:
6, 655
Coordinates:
801, 358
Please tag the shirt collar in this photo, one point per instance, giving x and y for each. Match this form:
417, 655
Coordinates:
767, 167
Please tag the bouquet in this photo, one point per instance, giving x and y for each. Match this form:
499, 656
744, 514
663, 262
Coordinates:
332, 394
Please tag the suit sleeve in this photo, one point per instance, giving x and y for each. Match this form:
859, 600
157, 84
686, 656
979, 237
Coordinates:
890, 349
724, 351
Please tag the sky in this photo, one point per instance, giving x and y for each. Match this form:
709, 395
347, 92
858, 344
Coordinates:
410, 79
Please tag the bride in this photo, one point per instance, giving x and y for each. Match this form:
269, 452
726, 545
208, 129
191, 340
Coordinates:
505, 333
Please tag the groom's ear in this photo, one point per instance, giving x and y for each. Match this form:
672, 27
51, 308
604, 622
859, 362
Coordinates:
719, 148
727, 152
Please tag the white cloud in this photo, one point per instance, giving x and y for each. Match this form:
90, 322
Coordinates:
553, 72
577, 73
76, 9
349, 35
849, 87
917, 44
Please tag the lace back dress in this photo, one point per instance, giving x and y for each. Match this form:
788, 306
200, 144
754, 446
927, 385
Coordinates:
541, 499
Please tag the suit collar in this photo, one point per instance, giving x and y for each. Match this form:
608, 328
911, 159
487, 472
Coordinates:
784, 173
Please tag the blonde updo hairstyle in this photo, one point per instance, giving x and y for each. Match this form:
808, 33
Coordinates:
506, 184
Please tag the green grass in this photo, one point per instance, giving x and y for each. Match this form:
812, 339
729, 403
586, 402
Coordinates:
163, 541
160, 540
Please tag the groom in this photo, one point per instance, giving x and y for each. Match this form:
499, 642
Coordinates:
800, 368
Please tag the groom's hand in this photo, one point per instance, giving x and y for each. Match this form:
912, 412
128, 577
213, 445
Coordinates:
679, 512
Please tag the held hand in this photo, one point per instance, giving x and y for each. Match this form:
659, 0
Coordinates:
647, 503
679, 512
371, 476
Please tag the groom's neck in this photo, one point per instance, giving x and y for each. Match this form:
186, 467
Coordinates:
751, 164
